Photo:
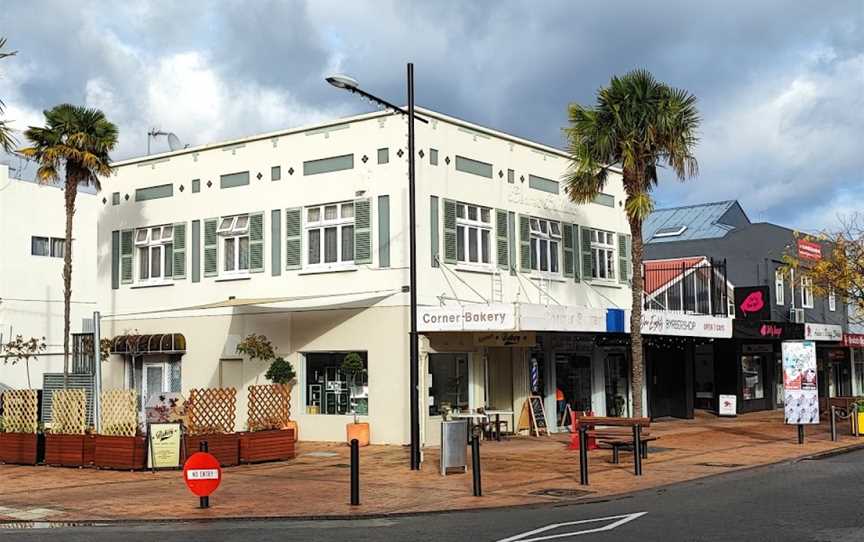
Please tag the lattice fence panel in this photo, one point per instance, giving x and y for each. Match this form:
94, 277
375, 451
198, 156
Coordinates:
269, 406
21, 411
119, 414
211, 410
70, 412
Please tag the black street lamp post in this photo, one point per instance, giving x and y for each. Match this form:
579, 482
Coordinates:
351, 85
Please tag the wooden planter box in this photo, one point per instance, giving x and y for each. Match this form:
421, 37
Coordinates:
21, 448
272, 445
89, 450
122, 453
64, 450
225, 447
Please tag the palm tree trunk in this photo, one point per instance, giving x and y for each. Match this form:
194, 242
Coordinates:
71, 191
636, 352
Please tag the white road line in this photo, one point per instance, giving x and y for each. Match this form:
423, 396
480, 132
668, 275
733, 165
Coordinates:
621, 520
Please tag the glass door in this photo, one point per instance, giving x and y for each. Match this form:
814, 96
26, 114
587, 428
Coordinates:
154, 381
617, 384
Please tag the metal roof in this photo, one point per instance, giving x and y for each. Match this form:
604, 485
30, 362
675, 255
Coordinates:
701, 222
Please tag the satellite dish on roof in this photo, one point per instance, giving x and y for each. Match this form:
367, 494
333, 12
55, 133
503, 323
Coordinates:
174, 142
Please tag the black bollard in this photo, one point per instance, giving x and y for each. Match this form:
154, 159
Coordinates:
800, 433
583, 454
833, 423
637, 450
475, 465
203, 502
355, 472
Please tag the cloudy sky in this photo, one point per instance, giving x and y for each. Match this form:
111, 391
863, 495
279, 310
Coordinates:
780, 83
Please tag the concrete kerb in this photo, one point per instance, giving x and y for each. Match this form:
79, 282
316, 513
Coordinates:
359, 515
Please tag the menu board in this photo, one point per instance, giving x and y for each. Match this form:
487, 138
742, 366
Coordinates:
164, 440
801, 396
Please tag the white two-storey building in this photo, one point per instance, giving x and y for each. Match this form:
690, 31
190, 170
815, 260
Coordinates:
32, 243
302, 235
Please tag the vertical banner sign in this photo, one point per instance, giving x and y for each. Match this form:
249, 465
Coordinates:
801, 398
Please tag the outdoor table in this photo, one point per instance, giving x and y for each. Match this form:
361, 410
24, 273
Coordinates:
472, 418
498, 414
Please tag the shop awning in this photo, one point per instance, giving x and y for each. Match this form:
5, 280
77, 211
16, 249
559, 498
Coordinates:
160, 343
299, 303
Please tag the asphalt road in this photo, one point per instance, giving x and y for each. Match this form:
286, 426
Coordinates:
815, 501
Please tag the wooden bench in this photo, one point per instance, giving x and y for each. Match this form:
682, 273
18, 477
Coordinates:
614, 433
617, 444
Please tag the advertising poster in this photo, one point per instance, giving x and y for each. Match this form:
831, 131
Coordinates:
799, 382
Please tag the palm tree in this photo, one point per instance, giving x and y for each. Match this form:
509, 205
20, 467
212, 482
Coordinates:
7, 140
639, 124
75, 142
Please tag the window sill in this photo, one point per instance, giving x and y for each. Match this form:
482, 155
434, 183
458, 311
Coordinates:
605, 283
232, 279
322, 270
483, 270
152, 285
552, 278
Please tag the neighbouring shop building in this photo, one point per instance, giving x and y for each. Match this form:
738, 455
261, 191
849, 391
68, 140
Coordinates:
301, 235
769, 305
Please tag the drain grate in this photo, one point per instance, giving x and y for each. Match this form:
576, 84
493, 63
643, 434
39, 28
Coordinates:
341, 465
561, 492
721, 465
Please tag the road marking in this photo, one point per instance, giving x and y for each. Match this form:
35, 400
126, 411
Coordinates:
621, 520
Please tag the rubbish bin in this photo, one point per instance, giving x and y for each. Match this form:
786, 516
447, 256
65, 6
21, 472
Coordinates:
454, 451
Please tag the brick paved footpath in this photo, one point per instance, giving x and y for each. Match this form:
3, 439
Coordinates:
519, 471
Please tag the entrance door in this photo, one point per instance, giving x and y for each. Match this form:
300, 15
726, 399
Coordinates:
573, 377
668, 386
154, 382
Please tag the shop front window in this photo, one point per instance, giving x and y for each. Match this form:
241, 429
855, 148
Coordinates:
573, 379
617, 388
859, 372
448, 386
329, 390
752, 368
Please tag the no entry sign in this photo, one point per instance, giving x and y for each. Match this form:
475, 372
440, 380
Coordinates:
202, 473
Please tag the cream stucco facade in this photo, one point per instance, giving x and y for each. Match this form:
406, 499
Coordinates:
341, 290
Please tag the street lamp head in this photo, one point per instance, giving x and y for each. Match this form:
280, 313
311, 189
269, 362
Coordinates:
340, 80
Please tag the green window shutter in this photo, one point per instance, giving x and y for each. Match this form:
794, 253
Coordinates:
624, 242
449, 231
511, 231
294, 238
127, 255
577, 271
179, 251
502, 241
115, 259
383, 231
196, 251
363, 231
433, 229
276, 242
586, 253
524, 244
211, 248
256, 243
567, 243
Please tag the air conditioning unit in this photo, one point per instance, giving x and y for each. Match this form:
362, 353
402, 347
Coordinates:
796, 315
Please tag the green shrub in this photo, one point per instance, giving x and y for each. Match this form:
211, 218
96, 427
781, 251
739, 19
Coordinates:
281, 371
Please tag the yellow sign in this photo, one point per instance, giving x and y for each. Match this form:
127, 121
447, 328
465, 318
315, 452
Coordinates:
163, 441
503, 338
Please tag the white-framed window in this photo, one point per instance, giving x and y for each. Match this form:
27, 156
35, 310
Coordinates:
234, 231
473, 234
54, 247
330, 234
602, 255
155, 253
832, 300
545, 245
807, 292
779, 287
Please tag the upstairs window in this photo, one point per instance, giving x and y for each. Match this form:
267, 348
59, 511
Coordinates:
779, 287
545, 245
155, 246
602, 255
234, 231
330, 234
39, 246
473, 234
807, 292
832, 300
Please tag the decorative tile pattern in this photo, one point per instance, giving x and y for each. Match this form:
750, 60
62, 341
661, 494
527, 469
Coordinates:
399, 153
421, 153
259, 176
364, 159
290, 171
209, 184
447, 160
181, 188
500, 174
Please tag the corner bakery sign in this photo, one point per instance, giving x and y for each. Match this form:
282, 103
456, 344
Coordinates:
493, 317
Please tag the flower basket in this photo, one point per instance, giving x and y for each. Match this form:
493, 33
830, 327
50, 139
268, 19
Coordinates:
64, 450
121, 453
224, 446
21, 448
270, 445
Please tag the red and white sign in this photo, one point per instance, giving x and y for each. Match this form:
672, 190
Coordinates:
855, 340
808, 250
202, 473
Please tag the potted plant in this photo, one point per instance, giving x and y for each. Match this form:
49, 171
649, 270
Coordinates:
271, 434
119, 444
352, 368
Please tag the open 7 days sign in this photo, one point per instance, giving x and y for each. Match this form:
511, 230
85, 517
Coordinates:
493, 317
